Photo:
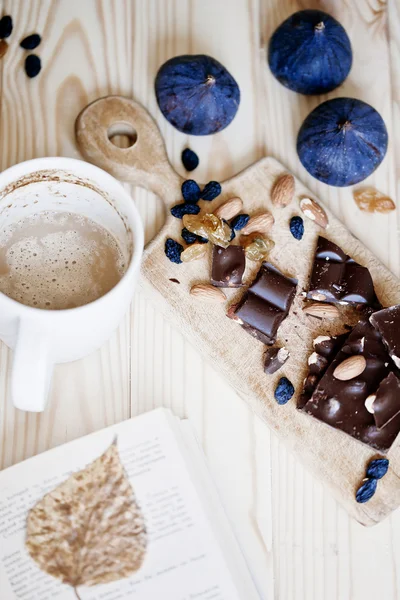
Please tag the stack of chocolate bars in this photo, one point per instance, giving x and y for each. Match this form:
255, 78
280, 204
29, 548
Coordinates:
365, 403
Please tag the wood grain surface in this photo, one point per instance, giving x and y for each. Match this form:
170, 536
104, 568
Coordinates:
298, 542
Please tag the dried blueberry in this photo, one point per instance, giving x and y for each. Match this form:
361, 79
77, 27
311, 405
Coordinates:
284, 391
377, 468
211, 190
190, 159
173, 251
366, 491
240, 221
30, 42
201, 239
233, 234
297, 227
6, 27
184, 209
33, 65
190, 191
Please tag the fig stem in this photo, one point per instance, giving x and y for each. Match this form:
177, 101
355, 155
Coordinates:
210, 80
320, 26
344, 125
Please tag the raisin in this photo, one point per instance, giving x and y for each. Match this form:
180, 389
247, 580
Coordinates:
184, 209
193, 252
190, 191
191, 238
240, 221
33, 65
283, 391
30, 42
173, 250
211, 190
297, 227
190, 159
6, 27
256, 246
377, 468
366, 491
188, 236
209, 225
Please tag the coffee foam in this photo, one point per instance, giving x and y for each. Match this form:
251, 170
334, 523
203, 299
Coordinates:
55, 260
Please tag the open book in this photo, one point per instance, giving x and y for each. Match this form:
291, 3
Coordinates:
191, 552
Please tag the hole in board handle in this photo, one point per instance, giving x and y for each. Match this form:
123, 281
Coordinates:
122, 134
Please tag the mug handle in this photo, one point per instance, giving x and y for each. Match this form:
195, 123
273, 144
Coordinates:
32, 368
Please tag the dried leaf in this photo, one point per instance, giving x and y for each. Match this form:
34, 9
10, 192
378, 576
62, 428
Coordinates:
89, 529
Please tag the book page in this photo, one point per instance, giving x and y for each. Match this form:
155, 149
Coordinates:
183, 560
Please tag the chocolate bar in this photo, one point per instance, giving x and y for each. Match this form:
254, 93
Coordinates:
325, 349
344, 404
228, 265
266, 303
274, 359
387, 322
386, 405
336, 277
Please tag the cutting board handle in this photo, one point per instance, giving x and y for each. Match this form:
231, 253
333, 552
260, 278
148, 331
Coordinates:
144, 163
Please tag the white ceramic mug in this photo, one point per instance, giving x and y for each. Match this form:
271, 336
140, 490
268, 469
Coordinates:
41, 338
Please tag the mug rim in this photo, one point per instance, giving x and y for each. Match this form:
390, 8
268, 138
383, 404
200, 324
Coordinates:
66, 163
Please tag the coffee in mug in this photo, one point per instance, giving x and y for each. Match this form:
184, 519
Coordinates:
58, 260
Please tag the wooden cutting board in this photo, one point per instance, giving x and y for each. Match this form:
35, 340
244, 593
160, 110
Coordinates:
336, 458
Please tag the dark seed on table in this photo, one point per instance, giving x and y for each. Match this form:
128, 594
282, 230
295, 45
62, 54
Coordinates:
190, 159
190, 191
297, 227
6, 26
366, 491
173, 251
377, 468
240, 221
33, 65
184, 209
3, 48
284, 391
30, 42
174, 280
211, 190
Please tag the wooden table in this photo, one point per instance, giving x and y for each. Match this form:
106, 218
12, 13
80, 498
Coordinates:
298, 542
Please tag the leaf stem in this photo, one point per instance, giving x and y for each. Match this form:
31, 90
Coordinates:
76, 593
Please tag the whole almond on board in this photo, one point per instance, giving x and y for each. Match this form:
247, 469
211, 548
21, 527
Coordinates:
259, 224
283, 190
369, 199
229, 209
351, 367
205, 291
323, 311
313, 211
3, 48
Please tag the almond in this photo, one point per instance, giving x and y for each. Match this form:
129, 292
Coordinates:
283, 190
314, 212
229, 209
371, 200
3, 48
369, 403
205, 291
323, 311
259, 224
351, 367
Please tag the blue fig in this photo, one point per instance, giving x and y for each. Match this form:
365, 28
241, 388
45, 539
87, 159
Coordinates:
196, 94
310, 53
342, 141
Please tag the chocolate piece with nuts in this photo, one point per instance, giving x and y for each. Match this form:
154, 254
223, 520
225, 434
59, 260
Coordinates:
387, 322
386, 405
336, 277
325, 349
266, 303
228, 265
341, 402
274, 359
